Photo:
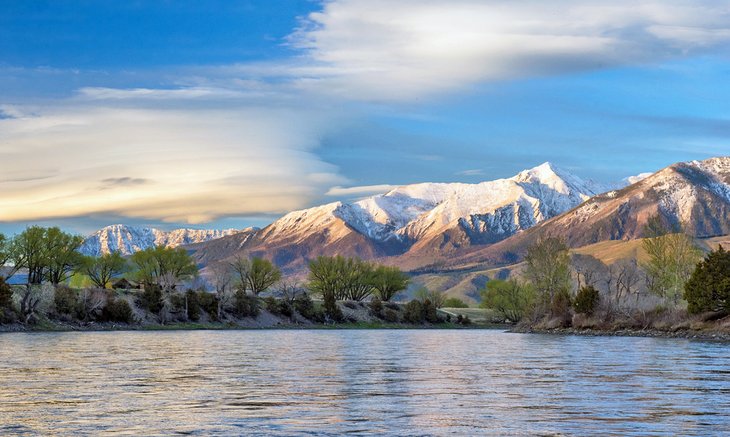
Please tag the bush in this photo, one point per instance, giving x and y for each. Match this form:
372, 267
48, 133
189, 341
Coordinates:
117, 310
708, 289
429, 312
278, 306
392, 306
454, 302
245, 305
304, 306
376, 307
586, 300
561, 304
390, 316
331, 311
6, 295
413, 312
151, 298
66, 300
351, 305
511, 299
193, 305
208, 302
6, 302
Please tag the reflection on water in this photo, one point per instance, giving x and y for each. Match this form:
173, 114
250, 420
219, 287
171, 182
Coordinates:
331, 382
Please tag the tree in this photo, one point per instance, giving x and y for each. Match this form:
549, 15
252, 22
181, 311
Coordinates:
387, 281
6, 296
673, 256
256, 274
164, 266
62, 255
262, 275
510, 298
548, 268
325, 276
221, 277
436, 298
8, 267
357, 279
455, 302
29, 251
708, 288
102, 270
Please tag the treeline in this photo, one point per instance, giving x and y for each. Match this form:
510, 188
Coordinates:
163, 285
672, 282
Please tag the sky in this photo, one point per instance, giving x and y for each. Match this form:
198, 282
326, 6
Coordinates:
220, 114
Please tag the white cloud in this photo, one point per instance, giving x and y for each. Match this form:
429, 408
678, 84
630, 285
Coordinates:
189, 164
364, 190
471, 172
408, 49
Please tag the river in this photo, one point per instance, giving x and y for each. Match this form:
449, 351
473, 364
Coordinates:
330, 382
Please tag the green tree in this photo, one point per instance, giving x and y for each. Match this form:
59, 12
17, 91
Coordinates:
8, 267
708, 288
387, 281
454, 302
6, 296
102, 270
511, 299
29, 251
357, 279
256, 274
62, 255
164, 266
586, 300
548, 268
325, 276
672, 256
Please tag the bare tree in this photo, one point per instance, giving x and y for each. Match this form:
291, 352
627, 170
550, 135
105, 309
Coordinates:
221, 275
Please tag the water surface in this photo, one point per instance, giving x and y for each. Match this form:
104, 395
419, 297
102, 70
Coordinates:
395, 382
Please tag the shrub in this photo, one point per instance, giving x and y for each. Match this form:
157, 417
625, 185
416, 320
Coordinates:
151, 298
429, 312
511, 299
708, 289
331, 311
390, 316
208, 302
351, 305
272, 305
117, 310
376, 307
6, 294
245, 305
193, 305
392, 306
586, 300
413, 312
454, 302
304, 306
561, 304
66, 300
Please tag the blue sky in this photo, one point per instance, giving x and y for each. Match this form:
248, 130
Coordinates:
230, 113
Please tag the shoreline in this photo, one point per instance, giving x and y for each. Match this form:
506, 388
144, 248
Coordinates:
719, 336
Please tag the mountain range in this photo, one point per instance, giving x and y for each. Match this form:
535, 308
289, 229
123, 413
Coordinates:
451, 226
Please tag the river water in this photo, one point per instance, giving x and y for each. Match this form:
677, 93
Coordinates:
330, 382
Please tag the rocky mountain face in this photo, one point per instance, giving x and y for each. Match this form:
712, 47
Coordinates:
694, 196
425, 220
129, 239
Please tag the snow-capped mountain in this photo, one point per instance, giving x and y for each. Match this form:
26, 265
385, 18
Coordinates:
419, 217
694, 196
129, 239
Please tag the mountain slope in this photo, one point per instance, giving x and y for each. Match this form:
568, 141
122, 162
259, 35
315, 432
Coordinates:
129, 239
427, 219
694, 195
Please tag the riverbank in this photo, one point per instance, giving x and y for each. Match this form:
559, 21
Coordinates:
625, 332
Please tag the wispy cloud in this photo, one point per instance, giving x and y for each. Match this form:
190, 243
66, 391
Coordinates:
408, 49
471, 172
364, 190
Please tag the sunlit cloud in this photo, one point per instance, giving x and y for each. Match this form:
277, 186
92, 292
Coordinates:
190, 164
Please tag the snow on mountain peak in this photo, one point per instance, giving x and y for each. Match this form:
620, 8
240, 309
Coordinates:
129, 239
